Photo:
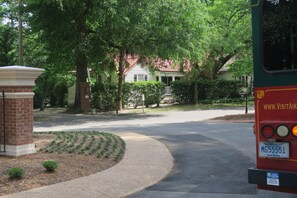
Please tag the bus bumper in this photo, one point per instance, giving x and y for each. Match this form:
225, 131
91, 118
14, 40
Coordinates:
281, 179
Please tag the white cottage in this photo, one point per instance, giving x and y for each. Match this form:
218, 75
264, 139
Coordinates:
137, 72
163, 71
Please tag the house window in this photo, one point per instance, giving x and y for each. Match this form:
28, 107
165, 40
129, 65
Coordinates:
140, 77
157, 78
178, 78
167, 80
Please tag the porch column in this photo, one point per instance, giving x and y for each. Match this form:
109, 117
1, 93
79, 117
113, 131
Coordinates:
16, 109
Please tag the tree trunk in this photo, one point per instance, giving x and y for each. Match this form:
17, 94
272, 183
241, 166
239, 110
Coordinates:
44, 91
120, 81
196, 91
20, 42
81, 76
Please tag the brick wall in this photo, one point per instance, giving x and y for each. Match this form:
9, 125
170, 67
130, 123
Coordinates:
18, 115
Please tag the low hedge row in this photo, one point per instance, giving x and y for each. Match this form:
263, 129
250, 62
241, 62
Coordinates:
104, 95
152, 91
183, 90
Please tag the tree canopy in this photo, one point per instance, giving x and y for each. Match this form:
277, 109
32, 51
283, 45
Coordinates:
229, 34
68, 35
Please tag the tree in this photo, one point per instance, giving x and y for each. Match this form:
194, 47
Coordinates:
229, 34
227, 31
67, 28
20, 31
8, 51
8, 32
152, 28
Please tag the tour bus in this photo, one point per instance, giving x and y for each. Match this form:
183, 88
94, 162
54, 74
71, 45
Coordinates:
275, 81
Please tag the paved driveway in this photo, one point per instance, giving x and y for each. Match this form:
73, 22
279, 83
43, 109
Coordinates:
211, 158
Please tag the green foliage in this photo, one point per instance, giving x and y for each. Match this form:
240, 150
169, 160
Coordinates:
217, 89
51, 89
242, 66
16, 173
8, 39
50, 165
182, 91
104, 96
228, 35
153, 92
60, 35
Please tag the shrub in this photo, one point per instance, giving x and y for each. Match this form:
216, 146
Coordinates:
153, 92
104, 96
183, 90
53, 88
50, 165
16, 173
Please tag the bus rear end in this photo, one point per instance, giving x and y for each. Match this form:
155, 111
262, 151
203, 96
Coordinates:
275, 81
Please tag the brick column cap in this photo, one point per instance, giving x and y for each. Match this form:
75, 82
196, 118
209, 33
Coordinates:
19, 75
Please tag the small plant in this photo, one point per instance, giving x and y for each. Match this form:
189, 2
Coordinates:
50, 165
16, 173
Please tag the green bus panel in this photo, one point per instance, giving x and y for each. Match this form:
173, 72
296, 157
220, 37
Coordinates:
263, 78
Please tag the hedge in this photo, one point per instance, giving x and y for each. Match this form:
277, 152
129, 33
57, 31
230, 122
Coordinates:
183, 90
153, 92
104, 95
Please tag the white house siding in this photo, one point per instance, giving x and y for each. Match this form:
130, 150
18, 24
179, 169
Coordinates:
174, 75
226, 76
154, 76
139, 71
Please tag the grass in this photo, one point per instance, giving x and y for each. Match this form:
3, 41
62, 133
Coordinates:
203, 105
99, 144
191, 107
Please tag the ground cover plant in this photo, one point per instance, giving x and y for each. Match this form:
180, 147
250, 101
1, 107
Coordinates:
92, 143
95, 152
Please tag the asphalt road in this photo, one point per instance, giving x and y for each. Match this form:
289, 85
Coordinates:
211, 158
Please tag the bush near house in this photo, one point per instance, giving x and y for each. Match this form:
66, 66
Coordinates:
182, 91
104, 96
217, 89
153, 92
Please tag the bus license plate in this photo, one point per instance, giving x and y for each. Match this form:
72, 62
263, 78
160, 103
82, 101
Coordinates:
274, 149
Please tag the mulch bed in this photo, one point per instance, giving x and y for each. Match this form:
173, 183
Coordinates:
237, 118
70, 166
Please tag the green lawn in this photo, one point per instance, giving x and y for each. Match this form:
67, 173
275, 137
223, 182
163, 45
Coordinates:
190, 107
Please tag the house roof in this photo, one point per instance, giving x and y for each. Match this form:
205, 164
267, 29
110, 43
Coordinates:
131, 61
158, 64
225, 67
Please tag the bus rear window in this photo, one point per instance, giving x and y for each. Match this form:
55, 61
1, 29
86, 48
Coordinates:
279, 34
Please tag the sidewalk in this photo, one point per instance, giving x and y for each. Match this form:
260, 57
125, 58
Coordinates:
145, 162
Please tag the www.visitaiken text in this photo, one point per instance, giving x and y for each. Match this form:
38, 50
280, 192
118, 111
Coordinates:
280, 106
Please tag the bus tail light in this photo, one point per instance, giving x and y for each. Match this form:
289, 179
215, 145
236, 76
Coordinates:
294, 131
268, 131
282, 131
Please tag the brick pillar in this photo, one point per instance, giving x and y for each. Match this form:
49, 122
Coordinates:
17, 83
85, 96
